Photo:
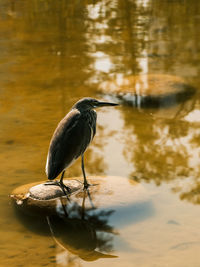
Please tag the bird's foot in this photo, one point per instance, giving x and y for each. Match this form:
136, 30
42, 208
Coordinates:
64, 189
86, 186
67, 188
60, 184
51, 183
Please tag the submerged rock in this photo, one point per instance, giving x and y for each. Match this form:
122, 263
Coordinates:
148, 90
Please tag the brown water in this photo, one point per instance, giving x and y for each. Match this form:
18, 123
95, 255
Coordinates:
54, 52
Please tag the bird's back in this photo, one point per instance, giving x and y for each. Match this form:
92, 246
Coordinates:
70, 139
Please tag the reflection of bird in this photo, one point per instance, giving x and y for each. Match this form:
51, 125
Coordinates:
71, 138
80, 237
83, 235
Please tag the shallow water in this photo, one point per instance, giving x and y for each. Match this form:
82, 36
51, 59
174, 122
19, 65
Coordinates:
55, 52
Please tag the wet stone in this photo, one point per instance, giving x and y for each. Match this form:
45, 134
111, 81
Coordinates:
51, 190
46, 198
147, 90
43, 198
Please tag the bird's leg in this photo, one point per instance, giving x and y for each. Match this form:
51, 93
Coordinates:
83, 170
62, 185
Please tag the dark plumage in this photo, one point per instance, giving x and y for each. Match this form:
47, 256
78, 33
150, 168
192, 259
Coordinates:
71, 138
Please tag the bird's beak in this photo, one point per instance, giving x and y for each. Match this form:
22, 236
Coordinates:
103, 104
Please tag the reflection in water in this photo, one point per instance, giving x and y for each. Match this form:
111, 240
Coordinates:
164, 152
84, 232
154, 91
102, 62
88, 237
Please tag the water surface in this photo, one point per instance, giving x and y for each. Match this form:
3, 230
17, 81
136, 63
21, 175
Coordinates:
55, 52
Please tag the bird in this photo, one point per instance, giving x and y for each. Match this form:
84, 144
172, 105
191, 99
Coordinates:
71, 138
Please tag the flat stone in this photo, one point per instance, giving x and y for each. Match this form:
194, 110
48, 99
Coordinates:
148, 90
50, 190
46, 198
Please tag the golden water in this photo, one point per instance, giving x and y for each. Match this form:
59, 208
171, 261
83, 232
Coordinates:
55, 52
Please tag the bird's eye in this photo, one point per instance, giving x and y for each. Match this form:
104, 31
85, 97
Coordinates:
95, 104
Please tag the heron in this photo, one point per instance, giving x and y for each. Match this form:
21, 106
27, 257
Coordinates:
71, 138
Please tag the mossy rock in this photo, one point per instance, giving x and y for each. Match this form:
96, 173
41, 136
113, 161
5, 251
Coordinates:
148, 90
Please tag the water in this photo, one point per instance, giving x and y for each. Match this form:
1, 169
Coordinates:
55, 52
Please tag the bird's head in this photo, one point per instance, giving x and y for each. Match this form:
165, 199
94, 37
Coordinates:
91, 103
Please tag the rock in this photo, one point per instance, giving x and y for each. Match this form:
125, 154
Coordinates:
148, 90
50, 190
47, 198
42, 198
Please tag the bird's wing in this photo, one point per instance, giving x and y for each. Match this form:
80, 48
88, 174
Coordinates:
85, 131
57, 148
69, 141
